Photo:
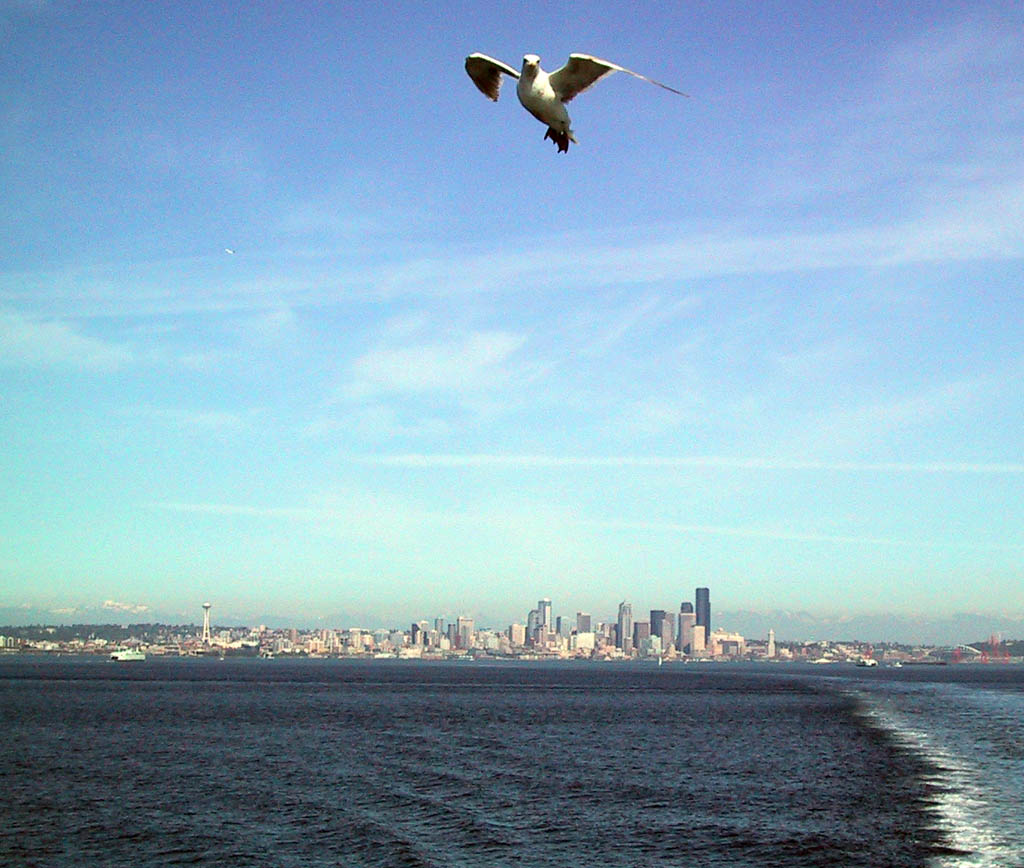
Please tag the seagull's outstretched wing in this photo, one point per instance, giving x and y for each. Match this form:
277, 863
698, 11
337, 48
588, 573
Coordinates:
486, 74
582, 71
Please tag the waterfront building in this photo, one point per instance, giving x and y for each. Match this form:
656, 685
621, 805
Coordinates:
624, 633
517, 634
725, 644
704, 610
771, 644
650, 646
582, 641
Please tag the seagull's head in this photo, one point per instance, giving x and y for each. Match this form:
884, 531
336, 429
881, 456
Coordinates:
531, 63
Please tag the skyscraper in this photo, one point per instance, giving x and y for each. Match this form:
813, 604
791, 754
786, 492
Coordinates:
533, 626
465, 631
662, 626
704, 610
641, 631
624, 634
582, 622
657, 617
544, 607
684, 633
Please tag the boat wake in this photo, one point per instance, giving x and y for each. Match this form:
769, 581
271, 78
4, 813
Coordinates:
973, 790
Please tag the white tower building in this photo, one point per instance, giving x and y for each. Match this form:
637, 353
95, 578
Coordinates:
771, 643
206, 623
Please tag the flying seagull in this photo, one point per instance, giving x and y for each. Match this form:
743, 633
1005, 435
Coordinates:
544, 95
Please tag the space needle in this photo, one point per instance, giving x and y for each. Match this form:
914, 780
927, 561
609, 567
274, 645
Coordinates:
206, 623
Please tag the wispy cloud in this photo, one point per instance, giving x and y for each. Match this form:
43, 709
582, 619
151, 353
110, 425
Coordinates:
37, 342
782, 535
460, 364
196, 421
376, 422
871, 421
982, 224
527, 462
926, 124
379, 519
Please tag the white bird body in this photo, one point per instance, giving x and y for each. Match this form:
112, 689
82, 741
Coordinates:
544, 95
538, 97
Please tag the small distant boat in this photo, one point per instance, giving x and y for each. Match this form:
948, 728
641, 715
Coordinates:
867, 661
896, 665
129, 655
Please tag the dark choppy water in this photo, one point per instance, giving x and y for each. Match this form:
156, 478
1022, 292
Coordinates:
249, 762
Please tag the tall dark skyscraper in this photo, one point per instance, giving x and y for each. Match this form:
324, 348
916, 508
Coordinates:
704, 610
583, 622
658, 619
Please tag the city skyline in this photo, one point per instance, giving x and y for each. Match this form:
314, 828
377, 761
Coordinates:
262, 346
789, 625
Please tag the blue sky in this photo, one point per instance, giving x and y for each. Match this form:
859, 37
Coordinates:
767, 339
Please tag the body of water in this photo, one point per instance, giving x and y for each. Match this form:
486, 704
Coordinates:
323, 762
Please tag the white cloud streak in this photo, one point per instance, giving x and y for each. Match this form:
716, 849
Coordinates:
982, 226
398, 519
526, 462
775, 535
198, 421
456, 365
31, 342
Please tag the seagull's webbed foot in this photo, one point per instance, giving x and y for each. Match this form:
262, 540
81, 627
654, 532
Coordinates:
560, 139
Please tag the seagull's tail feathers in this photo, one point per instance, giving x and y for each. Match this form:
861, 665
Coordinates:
560, 139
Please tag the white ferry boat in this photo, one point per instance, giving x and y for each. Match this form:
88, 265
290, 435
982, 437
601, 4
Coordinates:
127, 656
